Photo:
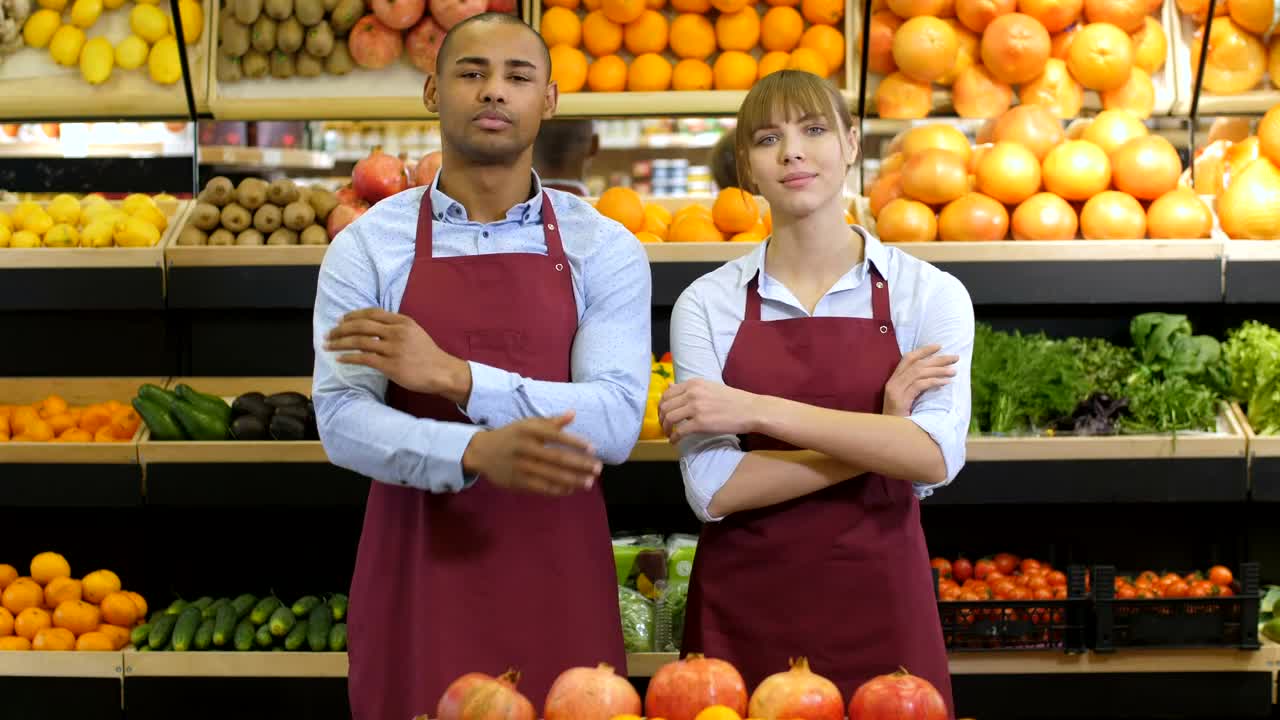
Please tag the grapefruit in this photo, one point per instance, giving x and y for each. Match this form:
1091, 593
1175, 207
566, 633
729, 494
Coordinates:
1009, 172
1044, 216
924, 48
1113, 215
1179, 214
973, 217
976, 94
1055, 90
1076, 170
1032, 126
1146, 167
1014, 48
905, 220
1100, 56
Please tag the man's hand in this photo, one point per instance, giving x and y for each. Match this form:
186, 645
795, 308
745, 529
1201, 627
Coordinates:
920, 370
396, 346
699, 406
534, 455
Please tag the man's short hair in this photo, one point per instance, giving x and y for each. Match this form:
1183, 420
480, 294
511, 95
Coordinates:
491, 17
561, 139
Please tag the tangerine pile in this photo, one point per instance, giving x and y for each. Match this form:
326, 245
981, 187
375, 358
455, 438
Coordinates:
51, 610
1114, 181
1239, 58
53, 420
1049, 50
735, 216
693, 45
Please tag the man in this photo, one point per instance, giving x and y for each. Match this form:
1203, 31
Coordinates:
482, 345
562, 152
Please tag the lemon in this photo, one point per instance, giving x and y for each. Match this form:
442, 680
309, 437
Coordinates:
192, 20
135, 232
55, 5
96, 60
5, 236
134, 201
95, 211
148, 22
24, 209
85, 13
99, 233
164, 197
40, 28
37, 222
6, 222
132, 52
66, 44
65, 209
61, 236
163, 62
24, 239
112, 4
150, 214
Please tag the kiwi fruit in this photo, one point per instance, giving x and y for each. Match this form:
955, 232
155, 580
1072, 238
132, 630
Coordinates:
283, 236
282, 192
315, 235
323, 202
320, 40
247, 11
329, 5
278, 9
289, 35
263, 36
192, 235
298, 215
229, 70
267, 219
251, 193
235, 218
235, 38
250, 236
220, 191
206, 216
308, 65
222, 236
254, 64
282, 65
346, 15
308, 12
339, 61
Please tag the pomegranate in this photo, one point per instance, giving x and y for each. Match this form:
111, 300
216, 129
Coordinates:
422, 44
797, 693
342, 216
427, 167
372, 44
596, 693
502, 6
451, 12
399, 14
379, 176
451, 702
682, 689
495, 699
347, 195
900, 696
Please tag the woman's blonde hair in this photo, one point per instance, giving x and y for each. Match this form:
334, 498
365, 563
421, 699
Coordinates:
786, 91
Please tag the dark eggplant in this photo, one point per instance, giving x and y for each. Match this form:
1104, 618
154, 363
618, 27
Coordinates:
248, 427
284, 427
252, 403
293, 411
280, 400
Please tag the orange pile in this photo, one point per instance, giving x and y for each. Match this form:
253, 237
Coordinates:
642, 46
1239, 57
734, 216
50, 610
1245, 177
1048, 51
1032, 182
52, 419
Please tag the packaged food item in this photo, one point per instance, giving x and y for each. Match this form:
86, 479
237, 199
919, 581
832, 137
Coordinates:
680, 551
641, 563
638, 616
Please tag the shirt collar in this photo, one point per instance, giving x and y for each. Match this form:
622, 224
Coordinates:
448, 210
872, 250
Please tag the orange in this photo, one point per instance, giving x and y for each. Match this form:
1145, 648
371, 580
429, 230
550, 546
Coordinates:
22, 417
49, 565
1150, 46
1044, 216
1060, 43
884, 25
1076, 170
8, 574
1269, 134
730, 6
828, 41
734, 211
99, 584
694, 228
973, 217
823, 12
1113, 215
607, 74
901, 98
738, 31
925, 48
748, 236
734, 70
22, 594
138, 602
939, 136
646, 34
61, 423
119, 609
569, 4
6, 623
76, 435
31, 621
1015, 48
94, 641
655, 4
1031, 126
810, 61
1127, 15
77, 616
692, 74
561, 27
772, 63
54, 639
693, 37
781, 29
1113, 128
14, 643
568, 68
701, 211
1100, 56
1146, 167
52, 405
623, 11
600, 35
649, 73
1237, 60
1054, 15
976, 15
94, 417
718, 712
1055, 90
657, 213
646, 237
1178, 214
119, 636
976, 94
700, 7
886, 189
935, 176
105, 434
905, 220
61, 590
623, 205
1009, 173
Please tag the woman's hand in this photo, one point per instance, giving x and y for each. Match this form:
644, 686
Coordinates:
920, 370
701, 407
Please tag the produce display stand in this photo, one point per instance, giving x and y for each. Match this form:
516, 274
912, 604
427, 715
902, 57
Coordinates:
226, 156
1264, 461
233, 277
1252, 269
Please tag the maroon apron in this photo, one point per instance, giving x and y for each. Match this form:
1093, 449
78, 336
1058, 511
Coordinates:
840, 576
484, 579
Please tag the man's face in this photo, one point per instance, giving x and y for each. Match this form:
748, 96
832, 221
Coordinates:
492, 92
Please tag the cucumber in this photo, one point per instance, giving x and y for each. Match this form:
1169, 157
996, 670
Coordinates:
262, 611
211, 404
224, 625
211, 612
263, 638
243, 605
160, 630
202, 603
338, 638
139, 635
338, 603
244, 636
303, 607
177, 607
321, 622
297, 636
199, 424
184, 632
144, 648
159, 420
204, 636
158, 395
282, 621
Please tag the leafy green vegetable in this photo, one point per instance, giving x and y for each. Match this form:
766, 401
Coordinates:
1022, 381
1107, 366
676, 600
1175, 403
1165, 345
637, 620
1253, 354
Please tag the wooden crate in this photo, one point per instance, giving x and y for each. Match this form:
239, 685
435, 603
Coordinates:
76, 391
175, 212
238, 255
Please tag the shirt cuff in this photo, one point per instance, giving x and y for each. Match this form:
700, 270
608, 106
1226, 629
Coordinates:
705, 473
490, 387
444, 461
940, 428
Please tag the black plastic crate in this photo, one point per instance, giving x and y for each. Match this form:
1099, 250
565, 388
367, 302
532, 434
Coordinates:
1213, 622
1000, 625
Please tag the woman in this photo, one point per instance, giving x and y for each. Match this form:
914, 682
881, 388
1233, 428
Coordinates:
845, 364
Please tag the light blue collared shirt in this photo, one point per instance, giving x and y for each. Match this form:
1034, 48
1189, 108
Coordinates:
928, 307
368, 266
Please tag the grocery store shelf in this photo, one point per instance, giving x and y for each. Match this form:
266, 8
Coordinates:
72, 664
248, 277
1252, 269
236, 664
113, 150
255, 157
1264, 462
645, 104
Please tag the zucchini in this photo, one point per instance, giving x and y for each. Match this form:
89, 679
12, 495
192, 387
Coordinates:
224, 625
158, 395
203, 602
160, 630
338, 638
204, 636
263, 638
159, 420
338, 603
211, 612
177, 607
211, 404
184, 632
262, 611
243, 639
305, 604
321, 622
243, 605
139, 635
297, 636
282, 621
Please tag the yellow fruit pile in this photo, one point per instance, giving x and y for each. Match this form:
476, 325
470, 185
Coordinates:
661, 377
1240, 55
1245, 178
50, 610
151, 40
93, 222
673, 49
52, 419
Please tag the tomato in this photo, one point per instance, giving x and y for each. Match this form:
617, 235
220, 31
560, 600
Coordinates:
1177, 589
1225, 591
943, 566
1021, 593
1198, 590
1037, 582
1192, 578
1057, 578
1219, 575
968, 596
1127, 592
1006, 563
1021, 580
1044, 593
951, 594
1003, 589
1148, 578
1059, 593
961, 569
1170, 578
1121, 582
1205, 585
983, 568
994, 576
1147, 594
1028, 565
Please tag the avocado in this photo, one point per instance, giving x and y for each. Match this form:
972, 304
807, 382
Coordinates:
294, 411
255, 404
284, 427
286, 398
198, 424
248, 427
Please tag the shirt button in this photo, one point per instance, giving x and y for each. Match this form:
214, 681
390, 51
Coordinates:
485, 233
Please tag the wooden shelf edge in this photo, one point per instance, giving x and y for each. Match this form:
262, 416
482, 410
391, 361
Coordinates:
265, 157
399, 107
70, 664
1252, 250
1267, 446
235, 664
1002, 251
155, 452
233, 256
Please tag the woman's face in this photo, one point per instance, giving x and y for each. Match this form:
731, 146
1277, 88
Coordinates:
799, 163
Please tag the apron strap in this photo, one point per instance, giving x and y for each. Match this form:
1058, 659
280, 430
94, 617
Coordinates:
423, 248
550, 232
879, 299
752, 313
